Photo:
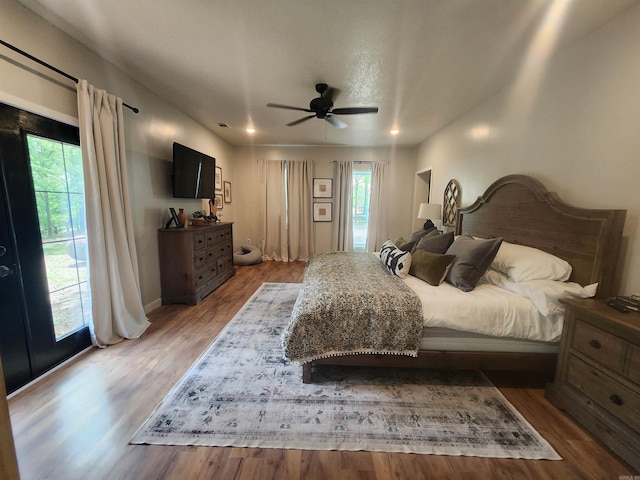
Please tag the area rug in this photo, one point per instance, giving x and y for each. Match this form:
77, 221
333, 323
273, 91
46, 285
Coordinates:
242, 393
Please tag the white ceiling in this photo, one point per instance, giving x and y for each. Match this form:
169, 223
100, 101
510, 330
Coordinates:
422, 62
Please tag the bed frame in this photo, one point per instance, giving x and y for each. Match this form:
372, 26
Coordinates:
519, 209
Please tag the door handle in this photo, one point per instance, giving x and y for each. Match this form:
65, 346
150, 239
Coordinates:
5, 271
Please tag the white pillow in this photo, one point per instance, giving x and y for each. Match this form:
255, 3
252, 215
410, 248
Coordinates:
397, 261
544, 294
522, 264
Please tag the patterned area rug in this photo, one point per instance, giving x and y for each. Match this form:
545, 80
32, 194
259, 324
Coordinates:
242, 393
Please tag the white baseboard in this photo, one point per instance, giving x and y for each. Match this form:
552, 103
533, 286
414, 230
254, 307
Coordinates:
150, 307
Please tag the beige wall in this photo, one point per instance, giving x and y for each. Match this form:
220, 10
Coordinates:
149, 134
572, 122
247, 186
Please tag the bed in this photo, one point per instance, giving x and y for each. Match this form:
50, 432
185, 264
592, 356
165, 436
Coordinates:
519, 210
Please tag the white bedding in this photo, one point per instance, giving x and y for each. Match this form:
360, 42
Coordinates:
488, 310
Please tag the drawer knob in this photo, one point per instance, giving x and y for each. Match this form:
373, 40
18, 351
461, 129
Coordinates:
595, 344
616, 399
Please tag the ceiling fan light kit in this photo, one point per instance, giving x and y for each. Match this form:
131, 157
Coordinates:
322, 108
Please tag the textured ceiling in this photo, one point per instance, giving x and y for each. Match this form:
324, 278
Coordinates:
422, 62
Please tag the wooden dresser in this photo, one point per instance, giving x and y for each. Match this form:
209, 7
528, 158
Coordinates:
194, 261
598, 375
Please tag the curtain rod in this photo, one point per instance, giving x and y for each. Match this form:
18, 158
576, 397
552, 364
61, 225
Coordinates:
51, 67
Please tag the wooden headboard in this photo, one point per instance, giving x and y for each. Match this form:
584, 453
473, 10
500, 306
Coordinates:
519, 209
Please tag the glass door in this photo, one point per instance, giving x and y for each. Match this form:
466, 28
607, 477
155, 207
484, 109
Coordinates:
56, 172
44, 320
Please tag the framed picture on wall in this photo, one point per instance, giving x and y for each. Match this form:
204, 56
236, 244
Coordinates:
218, 178
219, 202
322, 211
322, 187
227, 192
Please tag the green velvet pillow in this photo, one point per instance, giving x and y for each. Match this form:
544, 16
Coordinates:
430, 267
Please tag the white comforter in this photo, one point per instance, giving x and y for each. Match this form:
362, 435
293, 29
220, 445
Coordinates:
491, 309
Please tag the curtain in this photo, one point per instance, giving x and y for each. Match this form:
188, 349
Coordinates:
274, 222
377, 232
342, 238
116, 303
287, 226
299, 210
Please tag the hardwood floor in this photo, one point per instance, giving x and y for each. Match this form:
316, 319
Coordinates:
76, 422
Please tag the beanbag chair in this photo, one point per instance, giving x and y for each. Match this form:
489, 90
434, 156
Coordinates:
248, 255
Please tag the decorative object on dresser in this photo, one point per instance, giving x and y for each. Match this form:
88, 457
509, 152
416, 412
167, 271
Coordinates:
451, 202
173, 219
194, 261
182, 218
598, 375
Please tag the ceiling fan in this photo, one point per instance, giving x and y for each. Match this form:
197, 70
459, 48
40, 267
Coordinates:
322, 107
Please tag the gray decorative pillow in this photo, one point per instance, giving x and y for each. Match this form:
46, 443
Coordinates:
430, 267
473, 257
396, 261
436, 244
416, 236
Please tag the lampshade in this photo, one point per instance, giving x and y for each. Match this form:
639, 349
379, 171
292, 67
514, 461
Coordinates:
432, 211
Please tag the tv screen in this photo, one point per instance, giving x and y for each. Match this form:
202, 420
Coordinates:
193, 173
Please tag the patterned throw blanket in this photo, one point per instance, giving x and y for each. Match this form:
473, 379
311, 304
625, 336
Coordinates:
348, 304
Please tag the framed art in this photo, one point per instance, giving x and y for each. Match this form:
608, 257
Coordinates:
227, 192
322, 212
218, 178
322, 187
174, 218
219, 201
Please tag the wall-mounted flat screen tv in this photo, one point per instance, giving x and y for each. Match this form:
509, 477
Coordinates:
193, 173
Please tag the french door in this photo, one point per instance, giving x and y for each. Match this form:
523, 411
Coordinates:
44, 299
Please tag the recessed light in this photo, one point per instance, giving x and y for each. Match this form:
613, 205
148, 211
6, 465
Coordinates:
394, 131
251, 130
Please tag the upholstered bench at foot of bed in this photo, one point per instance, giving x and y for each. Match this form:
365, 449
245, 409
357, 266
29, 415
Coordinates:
247, 255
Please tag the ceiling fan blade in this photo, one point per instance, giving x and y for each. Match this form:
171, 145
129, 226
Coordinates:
354, 110
277, 105
336, 122
303, 119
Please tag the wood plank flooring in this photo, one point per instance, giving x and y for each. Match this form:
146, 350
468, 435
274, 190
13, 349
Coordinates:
76, 423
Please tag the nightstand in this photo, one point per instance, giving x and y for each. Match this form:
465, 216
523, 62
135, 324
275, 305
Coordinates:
598, 374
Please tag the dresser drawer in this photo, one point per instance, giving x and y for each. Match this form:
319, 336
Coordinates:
205, 273
604, 348
225, 263
215, 237
633, 365
199, 241
614, 397
200, 258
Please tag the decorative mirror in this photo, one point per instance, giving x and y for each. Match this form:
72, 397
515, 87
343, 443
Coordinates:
450, 203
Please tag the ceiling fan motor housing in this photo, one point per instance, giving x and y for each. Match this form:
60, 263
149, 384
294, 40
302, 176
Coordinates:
321, 106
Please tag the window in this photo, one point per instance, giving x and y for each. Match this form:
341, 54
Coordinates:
361, 194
